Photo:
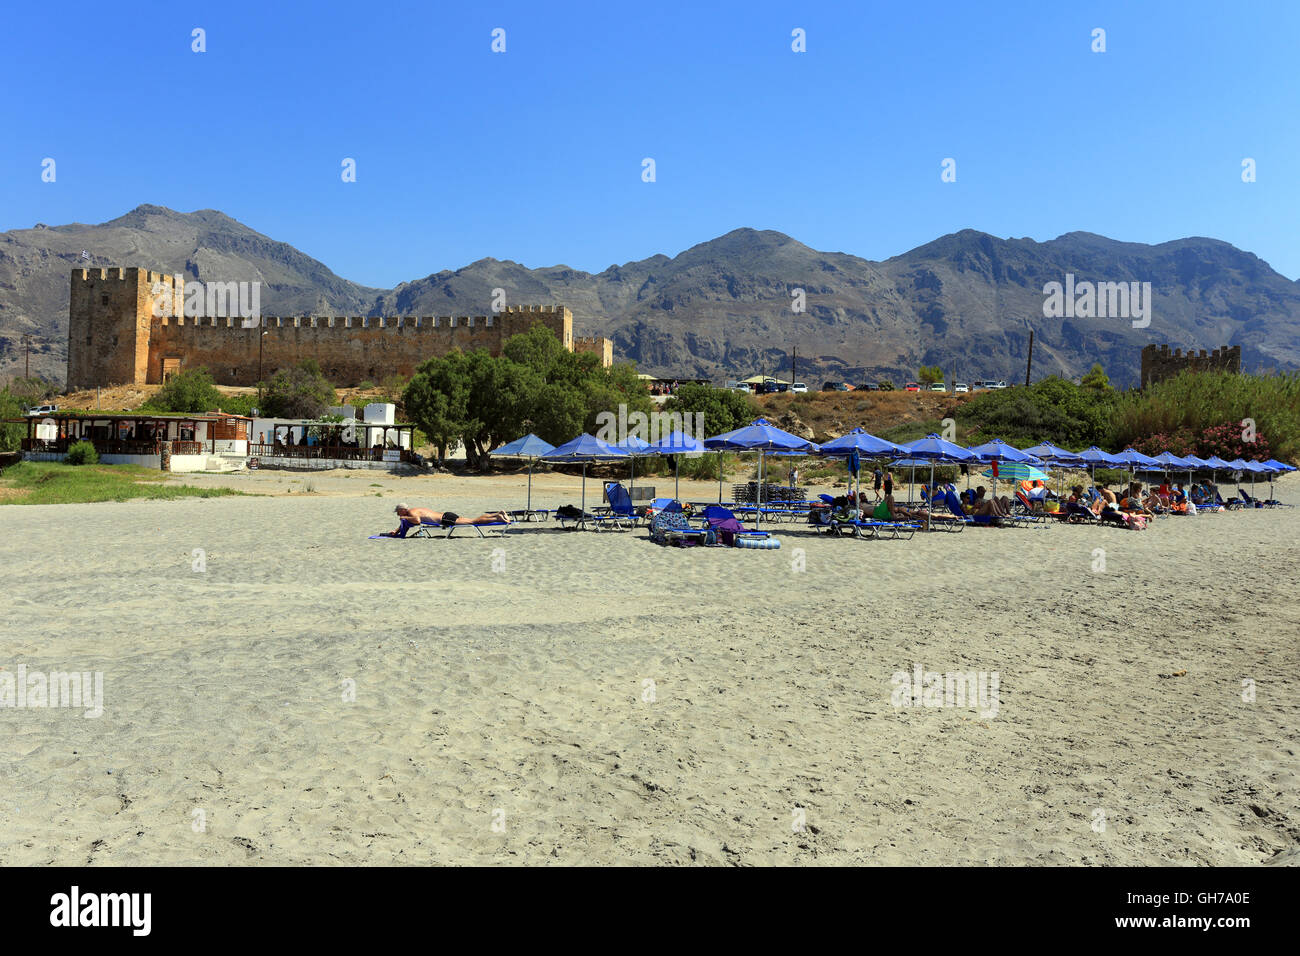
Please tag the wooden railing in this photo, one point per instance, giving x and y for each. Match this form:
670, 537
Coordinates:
339, 452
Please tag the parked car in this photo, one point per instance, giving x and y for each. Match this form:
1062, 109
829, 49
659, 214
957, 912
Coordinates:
40, 410
960, 387
912, 387
799, 387
869, 387
741, 387
937, 387
835, 387
995, 384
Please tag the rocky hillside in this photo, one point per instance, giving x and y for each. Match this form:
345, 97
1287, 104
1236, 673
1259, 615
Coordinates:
965, 302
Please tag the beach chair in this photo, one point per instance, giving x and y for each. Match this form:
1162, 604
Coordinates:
1028, 511
619, 514
430, 529
670, 526
728, 527
958, 512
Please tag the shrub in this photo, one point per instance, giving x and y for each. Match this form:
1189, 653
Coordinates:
1051, 409
82, 453
188, 391
1203, 410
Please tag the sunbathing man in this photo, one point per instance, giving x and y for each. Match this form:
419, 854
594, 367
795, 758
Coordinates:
413, 517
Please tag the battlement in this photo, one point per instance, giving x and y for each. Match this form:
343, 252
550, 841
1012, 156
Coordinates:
1159, 363
401, 323
116, 335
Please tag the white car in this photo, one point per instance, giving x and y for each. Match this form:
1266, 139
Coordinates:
960, 387
799, 387
996, 384
40, 410
742, 387
938, 387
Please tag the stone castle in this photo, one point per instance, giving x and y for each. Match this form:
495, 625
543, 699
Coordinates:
1158, 363
126, 326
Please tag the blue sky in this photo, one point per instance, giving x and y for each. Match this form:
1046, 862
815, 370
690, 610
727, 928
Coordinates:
536, 154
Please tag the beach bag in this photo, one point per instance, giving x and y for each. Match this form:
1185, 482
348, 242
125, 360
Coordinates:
1136, 522
569, 511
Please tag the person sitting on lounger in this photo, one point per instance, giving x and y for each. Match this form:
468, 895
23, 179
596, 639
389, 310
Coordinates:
413, 517
1076, 506
888, 511
994, 507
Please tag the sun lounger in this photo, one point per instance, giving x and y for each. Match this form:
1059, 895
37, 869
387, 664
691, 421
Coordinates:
429, 529
672, 527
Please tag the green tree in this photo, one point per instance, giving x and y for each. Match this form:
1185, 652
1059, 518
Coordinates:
473, 398
927, 375
724, 409
886, 385
298, 392
11, 406
1096, 379
188, 391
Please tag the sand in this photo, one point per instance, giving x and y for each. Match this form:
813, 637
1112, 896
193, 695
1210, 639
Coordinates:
502, 712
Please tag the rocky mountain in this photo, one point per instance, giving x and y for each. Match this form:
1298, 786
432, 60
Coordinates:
724, 308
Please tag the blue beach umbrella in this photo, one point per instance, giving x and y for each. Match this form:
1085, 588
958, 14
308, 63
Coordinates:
933, 449
855, 446
763, 437
583, 449
1055, 455
677, 444
530, 447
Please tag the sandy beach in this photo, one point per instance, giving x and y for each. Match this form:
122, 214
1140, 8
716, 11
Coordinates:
592, 698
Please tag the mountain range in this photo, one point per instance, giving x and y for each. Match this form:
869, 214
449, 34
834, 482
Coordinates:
725, 308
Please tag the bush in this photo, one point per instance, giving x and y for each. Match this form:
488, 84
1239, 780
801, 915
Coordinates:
1205, 410
188, 391
1051, 409
82, 453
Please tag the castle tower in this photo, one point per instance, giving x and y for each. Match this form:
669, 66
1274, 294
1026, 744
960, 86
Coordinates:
109, 316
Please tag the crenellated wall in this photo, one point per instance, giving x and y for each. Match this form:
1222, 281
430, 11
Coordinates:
115, 337
1159, 363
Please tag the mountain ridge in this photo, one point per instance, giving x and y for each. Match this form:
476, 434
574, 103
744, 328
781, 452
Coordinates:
723, 307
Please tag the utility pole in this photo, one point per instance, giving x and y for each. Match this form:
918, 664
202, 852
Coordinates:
27, 364
260, 340
794, 364
1029, 364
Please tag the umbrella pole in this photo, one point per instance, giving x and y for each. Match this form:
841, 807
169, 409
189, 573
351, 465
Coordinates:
719, 477
677, 477
584, 488
758, 515
530, 486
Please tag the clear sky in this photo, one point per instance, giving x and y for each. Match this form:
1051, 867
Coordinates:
535, 154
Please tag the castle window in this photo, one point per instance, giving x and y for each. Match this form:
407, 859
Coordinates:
103, 300
234, 373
